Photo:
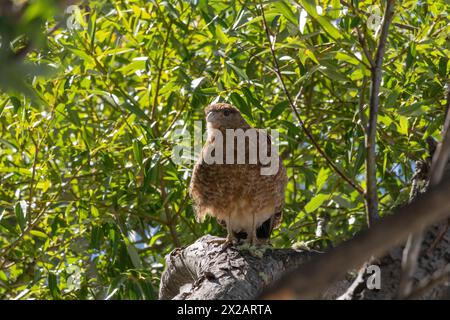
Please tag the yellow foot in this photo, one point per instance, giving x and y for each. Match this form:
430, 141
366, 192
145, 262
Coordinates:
225, 243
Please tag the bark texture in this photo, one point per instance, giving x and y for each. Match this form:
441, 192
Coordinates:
204, 270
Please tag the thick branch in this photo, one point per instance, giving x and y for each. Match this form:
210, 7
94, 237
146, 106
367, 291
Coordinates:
204, 270
307, 282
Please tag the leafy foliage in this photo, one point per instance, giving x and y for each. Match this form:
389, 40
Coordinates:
90, 199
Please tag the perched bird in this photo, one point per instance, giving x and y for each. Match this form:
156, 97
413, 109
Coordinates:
238, 195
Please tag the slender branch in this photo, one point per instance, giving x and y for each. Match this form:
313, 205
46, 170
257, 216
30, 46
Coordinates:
171, 219
447, 105
176, 117
33, 175
371, 166
442, 153
357, 286
311, 278
30, 226
405, 26
292, 104
363, 43
361, 112
160, 70
412, 250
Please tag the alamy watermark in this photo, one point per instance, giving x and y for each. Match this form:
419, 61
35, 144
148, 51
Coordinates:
373, 281
74, 18
229, 146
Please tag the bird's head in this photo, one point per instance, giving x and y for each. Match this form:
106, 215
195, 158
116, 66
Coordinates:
224, 116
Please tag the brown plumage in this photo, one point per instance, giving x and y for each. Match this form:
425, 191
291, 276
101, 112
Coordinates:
248, 203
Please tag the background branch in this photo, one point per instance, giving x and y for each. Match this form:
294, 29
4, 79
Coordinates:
292, 104
371, 166
310, 279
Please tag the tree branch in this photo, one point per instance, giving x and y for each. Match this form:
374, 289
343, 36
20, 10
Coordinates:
292, 104
205, 270
310, 279
160, 71
371, 167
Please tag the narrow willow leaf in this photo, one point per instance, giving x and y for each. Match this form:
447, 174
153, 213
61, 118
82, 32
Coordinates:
39, 234
322, 178
284, 8
53, 285
316, 202
278, 109
403, 125
241, 73
20, 210
241, 104
134, 256
310, 7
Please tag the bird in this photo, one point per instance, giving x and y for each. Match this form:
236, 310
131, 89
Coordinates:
242, 199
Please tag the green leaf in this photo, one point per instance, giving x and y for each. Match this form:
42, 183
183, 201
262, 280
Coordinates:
137, 150
15, 102
20, 210
278, 109
138, 64
221, 36
403, 125
134, 256
360, 157
284, 8
332, 73
322, 177
92, 28
53, 286
316, 202
83, 55
39, 234
391, 99
136, 110
413, 110
310, 7
240, 103
335, 9
240, 73
346, 57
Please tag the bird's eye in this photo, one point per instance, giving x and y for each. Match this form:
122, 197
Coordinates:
226, 113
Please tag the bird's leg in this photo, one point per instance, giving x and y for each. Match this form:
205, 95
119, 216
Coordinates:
251, 236
230, 234
228, 242
230, 239
253, 240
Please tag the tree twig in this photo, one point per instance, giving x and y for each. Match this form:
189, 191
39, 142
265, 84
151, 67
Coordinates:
361, 112
160, 70
292, 104
363, 43
371, 166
